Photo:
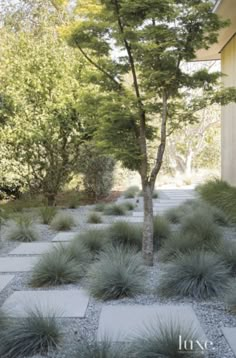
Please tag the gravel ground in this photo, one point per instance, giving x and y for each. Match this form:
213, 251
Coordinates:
212, 315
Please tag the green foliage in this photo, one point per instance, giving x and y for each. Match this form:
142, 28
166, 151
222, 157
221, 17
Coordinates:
123, 233
42, 135
200, 227
197, 274
161, 231
62, 222
131, 192
22, 230
220, 194
94, 218
118, 273
114, 209
104, 349
73, 203
93, 240
163, 341
34, 334
97, 170
46, 214
56, 267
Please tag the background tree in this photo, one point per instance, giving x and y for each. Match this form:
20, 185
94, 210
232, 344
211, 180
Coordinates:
40, 77
148, 41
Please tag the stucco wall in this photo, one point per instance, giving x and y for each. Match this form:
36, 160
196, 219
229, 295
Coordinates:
228, 163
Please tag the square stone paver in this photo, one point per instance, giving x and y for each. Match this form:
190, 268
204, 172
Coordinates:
17, 264
96, 227
65, 236
5, 280
121, 323
33, 248
230, 336
59, 303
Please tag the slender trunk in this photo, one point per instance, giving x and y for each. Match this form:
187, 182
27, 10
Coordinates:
51, 198
188, 167
147, 245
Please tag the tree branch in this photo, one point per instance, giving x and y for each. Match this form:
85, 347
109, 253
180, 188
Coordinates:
98, 67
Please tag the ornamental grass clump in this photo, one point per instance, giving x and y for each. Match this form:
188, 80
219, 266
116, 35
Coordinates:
99, 207
93, 240
127, 234
62, 222
94, 218
200, 227
161, 231
163, 341
128, 205
57, 267
29, 336
95, 349
227, 251
131, 192
199, 274
22, 229
47, 214
118, 273
116, 210
230, 299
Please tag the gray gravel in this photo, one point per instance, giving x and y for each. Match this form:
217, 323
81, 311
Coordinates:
211, 314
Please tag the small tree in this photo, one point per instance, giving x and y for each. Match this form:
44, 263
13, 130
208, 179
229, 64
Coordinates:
137, 48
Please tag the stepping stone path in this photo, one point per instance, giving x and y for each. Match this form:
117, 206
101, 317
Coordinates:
34, 248
230, 336
65, 236
96, 227
120, 323
17, 264
59, 303
168, 199
5, 280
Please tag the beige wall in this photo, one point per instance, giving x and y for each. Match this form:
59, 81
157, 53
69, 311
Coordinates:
228, 164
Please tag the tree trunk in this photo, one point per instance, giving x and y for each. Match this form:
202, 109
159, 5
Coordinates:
188, 167
51, 198
147, 245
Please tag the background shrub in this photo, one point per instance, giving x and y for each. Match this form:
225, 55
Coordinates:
163, 341
97, 170
198, 274
94, 218
118, 273
161, 231
126, 234
56, 267
34, 334
116, 210
62, 222
46, 214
